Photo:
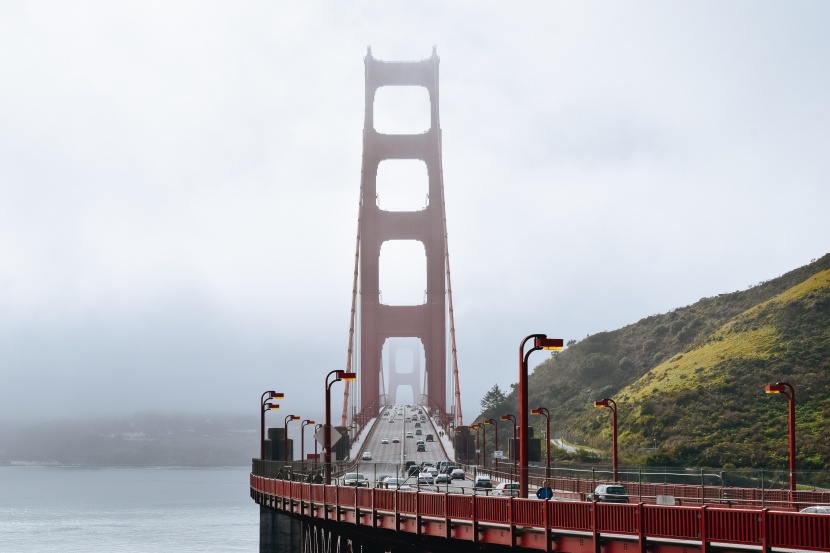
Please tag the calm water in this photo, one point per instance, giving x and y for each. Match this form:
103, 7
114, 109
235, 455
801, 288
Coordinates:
69, 509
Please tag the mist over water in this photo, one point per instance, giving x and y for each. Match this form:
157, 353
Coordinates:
80, 509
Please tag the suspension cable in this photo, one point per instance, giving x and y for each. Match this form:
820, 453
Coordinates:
353, 316
459, 418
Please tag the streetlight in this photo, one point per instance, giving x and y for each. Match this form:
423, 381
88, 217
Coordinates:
788, 391
546, 413
338, 376
270, 394
540, 341
288, 419
496, 446
611, 404
302, 442
512, 418
317, 427
478, 453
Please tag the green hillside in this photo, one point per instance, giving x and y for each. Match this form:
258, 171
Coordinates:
692, 380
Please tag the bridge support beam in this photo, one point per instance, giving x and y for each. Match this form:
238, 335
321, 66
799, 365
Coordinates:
278, 533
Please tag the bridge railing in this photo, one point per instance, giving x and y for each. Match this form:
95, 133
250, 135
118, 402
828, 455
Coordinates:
648, 492
704, 524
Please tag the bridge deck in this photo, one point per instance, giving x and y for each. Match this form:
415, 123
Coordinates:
528, 524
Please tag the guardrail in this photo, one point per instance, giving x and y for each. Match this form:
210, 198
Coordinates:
545, 525
683, 494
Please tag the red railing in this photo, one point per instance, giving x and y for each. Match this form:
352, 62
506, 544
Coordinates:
703, 524
617, 519
805, 531
676, 523
569, 515
460, 506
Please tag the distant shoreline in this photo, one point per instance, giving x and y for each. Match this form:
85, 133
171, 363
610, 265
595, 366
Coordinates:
87, 465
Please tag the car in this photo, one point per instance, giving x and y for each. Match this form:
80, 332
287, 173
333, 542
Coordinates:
367, 455
482, 482
426, 478
417, 425
507, 489
392, 483
384, 441
420, 448
432, 470
418, 432
457, 474
609, 493
443, 478
355, 479
396, 440
817, 510
391, 421
430, 438
409, 435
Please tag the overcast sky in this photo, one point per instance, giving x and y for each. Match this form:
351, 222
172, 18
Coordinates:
179, 182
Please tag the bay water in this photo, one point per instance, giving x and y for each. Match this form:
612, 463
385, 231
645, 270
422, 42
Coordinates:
126, 509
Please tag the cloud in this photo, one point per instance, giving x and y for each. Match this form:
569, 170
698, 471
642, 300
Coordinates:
179, 184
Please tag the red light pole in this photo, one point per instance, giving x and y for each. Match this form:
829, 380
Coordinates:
611, 404
483, 444
787, 391
540, 341
316, 428
478, 451
270, 394
496, 445
512, 418
546, 413
288, 419
302, 442
338, 376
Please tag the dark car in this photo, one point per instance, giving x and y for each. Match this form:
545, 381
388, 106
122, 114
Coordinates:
482, 482
609, 493
355, 479
430, 437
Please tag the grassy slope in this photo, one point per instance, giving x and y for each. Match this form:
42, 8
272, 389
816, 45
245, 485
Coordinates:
693, 379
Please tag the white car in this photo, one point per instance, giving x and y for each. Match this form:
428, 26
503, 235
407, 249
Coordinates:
507, 489
393, 483
817, 510
396, 440
426, 478
384, 441
410, 435
367, 455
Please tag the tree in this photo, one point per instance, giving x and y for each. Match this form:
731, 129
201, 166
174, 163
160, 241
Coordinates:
493, 399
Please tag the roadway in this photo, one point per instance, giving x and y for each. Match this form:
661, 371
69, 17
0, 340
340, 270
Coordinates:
392, 426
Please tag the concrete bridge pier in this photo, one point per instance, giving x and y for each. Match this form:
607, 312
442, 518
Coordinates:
279, 533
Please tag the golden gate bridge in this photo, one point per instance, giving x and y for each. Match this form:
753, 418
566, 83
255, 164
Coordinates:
398, 508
